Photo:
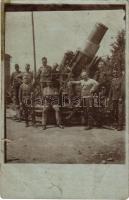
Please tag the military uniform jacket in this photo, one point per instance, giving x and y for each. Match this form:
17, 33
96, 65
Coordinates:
50, 91
88, 86
115, 90
29, 76
44, 73
16, 78
25, 91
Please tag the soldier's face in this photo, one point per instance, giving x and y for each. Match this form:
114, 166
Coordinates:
115, 73
44, 62
25, 80
17, 68
84, 76
103, 90
100, 66
27, 68
67, 62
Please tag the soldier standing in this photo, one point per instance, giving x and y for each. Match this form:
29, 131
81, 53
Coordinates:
121, 116
28, 73
50, 95
114, 96
88, 87
26, 99
44, 73
16, 80
100, 73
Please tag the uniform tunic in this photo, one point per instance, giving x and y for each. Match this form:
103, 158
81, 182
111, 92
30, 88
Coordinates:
115, 90
44, 73
50, 91
28, 75
16, 80
25, 92
88, 87
115, 95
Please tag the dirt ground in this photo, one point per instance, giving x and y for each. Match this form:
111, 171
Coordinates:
68, 145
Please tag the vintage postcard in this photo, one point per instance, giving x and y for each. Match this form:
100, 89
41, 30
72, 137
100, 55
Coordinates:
64, 99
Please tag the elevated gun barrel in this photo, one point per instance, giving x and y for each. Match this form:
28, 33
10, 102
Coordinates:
85, 56
94, 40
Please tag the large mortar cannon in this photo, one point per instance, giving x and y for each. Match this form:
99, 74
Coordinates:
82, 59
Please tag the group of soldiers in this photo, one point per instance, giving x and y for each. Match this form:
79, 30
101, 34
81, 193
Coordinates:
24, 87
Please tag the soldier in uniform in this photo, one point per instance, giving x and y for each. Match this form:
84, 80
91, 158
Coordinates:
100, 72
114, 96
55, 67
121, 107
50, 95
44, 73
16, 80
88, 87
28, 73
26, 99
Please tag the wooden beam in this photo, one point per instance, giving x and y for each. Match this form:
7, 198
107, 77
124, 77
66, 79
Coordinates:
33, 35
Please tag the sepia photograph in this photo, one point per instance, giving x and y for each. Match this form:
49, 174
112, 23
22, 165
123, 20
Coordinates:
64, 83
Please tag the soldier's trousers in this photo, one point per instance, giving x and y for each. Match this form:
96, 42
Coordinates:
42, 85
16, 94
27, 111
45, 114
89, 115
118, 112
115, 110
121, 115
87, 103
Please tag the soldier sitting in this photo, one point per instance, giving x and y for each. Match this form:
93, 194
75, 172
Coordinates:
50, 95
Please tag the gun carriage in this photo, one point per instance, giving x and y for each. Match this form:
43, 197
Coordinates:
70, 68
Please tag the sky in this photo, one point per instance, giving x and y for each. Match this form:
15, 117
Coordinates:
55, 33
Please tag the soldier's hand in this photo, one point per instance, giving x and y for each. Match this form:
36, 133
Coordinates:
69, 83
91, 91
120, 100
109, 102
108, 99
33, 81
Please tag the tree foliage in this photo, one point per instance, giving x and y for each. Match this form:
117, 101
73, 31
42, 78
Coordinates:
117, 58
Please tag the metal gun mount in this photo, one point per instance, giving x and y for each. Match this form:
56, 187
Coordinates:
82, 59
